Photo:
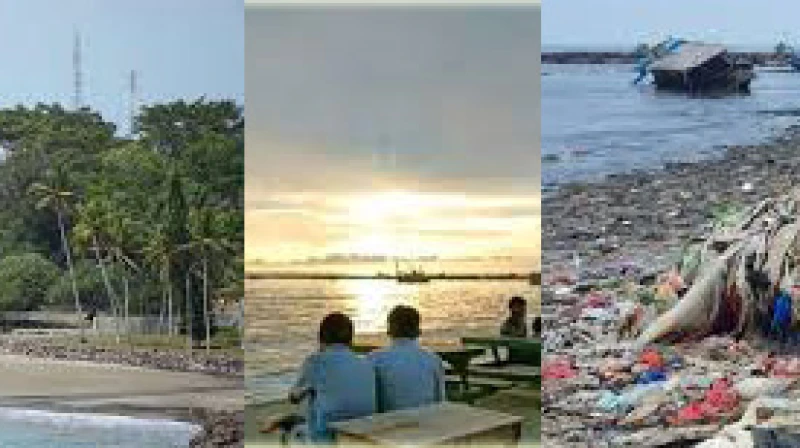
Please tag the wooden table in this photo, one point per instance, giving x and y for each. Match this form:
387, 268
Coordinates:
529, 349
434, 425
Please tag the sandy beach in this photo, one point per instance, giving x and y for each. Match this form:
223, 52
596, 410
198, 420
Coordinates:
214, 402
88, 386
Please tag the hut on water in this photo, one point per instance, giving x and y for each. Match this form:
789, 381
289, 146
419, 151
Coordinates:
697, 68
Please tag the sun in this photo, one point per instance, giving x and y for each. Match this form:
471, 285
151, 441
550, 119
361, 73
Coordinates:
382, 208
378, 218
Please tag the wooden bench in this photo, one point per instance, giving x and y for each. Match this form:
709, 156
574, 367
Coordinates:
478, 388
512, 373
429, 426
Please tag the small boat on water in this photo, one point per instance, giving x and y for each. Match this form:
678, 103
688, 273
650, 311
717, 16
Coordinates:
697, 67
413, 276
794, 61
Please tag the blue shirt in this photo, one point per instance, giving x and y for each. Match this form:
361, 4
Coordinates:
342, 385
408, 376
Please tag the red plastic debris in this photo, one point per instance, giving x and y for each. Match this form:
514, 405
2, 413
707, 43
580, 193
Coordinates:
558, 368
721, 398
691, 413
652, 359
596, 301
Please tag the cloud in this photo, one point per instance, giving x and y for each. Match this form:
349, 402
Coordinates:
436, 101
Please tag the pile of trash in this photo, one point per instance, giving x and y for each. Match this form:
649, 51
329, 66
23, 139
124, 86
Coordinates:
701, 354
742, 280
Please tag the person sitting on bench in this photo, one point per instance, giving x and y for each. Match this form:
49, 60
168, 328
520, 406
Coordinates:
408, 376
536, 326
515, 326
336, 383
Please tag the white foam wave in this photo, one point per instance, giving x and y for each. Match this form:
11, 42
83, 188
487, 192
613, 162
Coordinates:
98, 421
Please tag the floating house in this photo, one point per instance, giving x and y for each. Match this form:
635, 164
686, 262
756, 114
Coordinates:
699, 68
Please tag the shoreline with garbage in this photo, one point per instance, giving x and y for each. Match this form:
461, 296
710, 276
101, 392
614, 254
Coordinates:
607, 252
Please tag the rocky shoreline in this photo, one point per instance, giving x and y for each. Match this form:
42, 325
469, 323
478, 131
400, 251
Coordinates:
162, 359
220, 429
641, 220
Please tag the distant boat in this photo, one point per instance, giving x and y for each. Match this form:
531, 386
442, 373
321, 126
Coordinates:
794, 61
696, 67
413, 276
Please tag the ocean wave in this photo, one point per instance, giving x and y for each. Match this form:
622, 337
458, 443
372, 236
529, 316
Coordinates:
97, 421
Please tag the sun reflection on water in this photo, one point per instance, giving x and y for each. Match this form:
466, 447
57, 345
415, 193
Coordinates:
370, 302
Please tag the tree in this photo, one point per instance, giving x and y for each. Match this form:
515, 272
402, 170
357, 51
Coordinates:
160, 253
93, 218
74, 192
208, 245
90, 283
58, 197
25, 280
178, 234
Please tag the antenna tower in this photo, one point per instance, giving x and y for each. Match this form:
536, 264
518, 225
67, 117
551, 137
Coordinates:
78, 74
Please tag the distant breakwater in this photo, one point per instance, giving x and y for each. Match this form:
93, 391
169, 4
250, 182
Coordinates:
617, 57
534, 278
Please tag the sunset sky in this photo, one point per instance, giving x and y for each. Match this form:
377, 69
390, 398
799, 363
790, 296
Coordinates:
392, 131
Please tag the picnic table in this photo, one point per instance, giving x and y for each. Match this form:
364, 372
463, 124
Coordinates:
433, 425
520, 350
516, 373
458, 357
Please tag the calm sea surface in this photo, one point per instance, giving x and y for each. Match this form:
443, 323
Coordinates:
282, 316
595, 122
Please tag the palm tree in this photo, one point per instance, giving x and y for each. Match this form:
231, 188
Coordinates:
206, 245
58, 197
160, 252
93, 218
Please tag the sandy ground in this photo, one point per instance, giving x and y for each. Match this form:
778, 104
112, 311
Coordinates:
93, 387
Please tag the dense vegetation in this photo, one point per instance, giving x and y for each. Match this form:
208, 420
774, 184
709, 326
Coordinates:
151, 224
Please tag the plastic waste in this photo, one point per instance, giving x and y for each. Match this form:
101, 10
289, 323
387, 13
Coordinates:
558, 368
651, 358
651, 376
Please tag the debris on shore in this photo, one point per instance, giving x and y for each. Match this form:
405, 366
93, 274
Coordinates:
658, 326
220, 429
155, 358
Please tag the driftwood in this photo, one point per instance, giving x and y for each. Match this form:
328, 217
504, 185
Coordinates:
696, 311
764, 240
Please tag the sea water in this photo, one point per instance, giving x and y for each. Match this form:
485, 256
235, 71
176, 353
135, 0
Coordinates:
44, 429
595, 122
282, 316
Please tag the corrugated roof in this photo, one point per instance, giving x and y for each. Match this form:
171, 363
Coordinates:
687, 56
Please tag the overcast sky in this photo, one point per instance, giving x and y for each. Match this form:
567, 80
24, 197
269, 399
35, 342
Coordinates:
345, 101
613, 23
180, 48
